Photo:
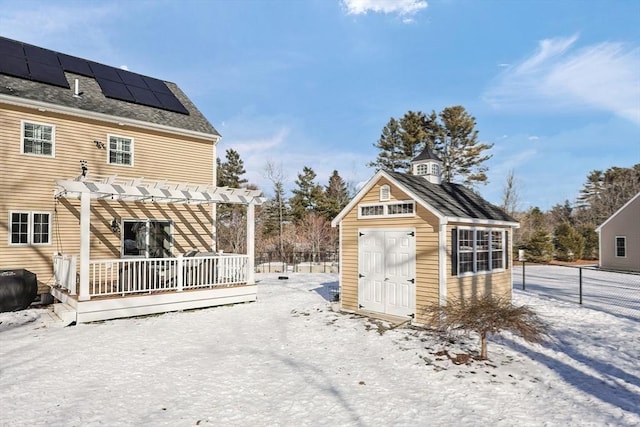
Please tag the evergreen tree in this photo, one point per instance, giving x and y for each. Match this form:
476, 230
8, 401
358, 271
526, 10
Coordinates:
459, 149
336, 197
307, 196
539, 248
230, 172
452, 136
231, 218
591, 241
569, 243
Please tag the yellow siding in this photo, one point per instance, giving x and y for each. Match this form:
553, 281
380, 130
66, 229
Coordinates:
28, 182
426, 226
427, 268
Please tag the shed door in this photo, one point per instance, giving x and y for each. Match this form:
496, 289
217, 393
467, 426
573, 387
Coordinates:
386, 267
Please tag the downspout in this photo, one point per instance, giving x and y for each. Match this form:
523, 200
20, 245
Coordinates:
442, 261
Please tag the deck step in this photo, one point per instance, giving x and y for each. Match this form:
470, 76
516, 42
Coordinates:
65, 313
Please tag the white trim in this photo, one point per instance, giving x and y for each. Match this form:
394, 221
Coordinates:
120, 121
442, 262
598, 229
615, 246
484, 222
108, 150
30, 228
385, 210
85, 246
23, 122
489, 251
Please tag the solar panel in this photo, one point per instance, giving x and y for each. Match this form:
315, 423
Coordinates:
105, 72
44, 56
115, 90
46, 66
171, 103
144, 96
156, 85
15, 66
50, 74
132, 79
75, 65
10, 47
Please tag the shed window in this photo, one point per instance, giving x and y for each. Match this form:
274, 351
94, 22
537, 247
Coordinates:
390, 209
478, 251
373, 210
621, 247
385, 193
422, 169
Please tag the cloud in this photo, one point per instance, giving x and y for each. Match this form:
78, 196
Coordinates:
559, 76
533, 138
404, 8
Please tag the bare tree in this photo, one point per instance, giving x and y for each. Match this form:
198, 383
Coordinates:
316, 232
275, 174
510, 197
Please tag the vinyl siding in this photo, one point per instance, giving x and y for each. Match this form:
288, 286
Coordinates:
624, 224
28, 182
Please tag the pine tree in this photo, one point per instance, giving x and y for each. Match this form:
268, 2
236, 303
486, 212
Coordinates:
451, 135
569, 243
231, 218
307, 196
336, 197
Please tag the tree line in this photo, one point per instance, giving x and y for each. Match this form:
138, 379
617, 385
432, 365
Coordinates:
301, 223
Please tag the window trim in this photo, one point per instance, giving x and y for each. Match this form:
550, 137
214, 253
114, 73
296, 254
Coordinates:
624, 246
385, 193
112, 135
385, 209
30, 228
456, 258
53, 139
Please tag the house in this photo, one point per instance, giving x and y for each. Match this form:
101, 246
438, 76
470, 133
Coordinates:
619, 238
408, 241
108, 189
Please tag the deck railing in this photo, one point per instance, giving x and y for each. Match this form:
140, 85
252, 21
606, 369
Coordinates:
147, 275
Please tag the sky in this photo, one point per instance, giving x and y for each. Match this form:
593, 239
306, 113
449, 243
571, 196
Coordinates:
290, 359
555, 86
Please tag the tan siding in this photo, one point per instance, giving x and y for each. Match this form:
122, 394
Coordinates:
28, 183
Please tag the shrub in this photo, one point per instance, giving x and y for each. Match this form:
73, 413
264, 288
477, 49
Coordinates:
487, 315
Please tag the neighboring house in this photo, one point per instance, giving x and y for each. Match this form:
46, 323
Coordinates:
408, 241
619, 238
107, 179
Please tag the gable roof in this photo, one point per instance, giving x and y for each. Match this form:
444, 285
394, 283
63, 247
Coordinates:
599, 228
452, 202
92, 101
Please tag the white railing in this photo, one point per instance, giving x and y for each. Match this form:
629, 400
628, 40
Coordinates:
64, 272
147, 275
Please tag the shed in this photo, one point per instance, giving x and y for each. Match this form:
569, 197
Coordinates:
408, 240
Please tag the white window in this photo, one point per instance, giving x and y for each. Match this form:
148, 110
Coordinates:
385, 193
120, 150
422, 169
38, 139
29, 228
479, 251
389, 209
435, 169
621, 247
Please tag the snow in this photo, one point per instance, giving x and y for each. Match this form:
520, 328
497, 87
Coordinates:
291, 359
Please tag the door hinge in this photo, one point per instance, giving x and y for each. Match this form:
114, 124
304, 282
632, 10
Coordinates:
360, 306
360, 276
360, 234
412, 280
412, 315
411, 233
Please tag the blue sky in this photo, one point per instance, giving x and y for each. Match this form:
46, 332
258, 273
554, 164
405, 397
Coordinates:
555, 85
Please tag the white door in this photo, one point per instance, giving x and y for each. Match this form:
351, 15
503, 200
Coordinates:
386, 271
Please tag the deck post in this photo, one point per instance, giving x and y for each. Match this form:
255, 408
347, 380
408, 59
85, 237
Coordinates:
85, 234
180, 275
251, 251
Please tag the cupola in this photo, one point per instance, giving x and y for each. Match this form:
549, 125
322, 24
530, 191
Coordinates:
428, 165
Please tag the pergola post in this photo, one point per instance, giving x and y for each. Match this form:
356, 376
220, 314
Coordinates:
251, 242
85, 235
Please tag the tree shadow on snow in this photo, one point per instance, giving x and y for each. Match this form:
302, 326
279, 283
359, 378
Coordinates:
616, 394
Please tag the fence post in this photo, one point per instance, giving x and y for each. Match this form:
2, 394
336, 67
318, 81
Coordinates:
523, 275
580, 268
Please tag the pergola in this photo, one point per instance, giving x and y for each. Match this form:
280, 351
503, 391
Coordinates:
140, 190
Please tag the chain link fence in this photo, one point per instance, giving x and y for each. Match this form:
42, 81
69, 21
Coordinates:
297, 262
613, 292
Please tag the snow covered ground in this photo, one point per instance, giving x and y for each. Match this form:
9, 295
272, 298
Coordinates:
290, 360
